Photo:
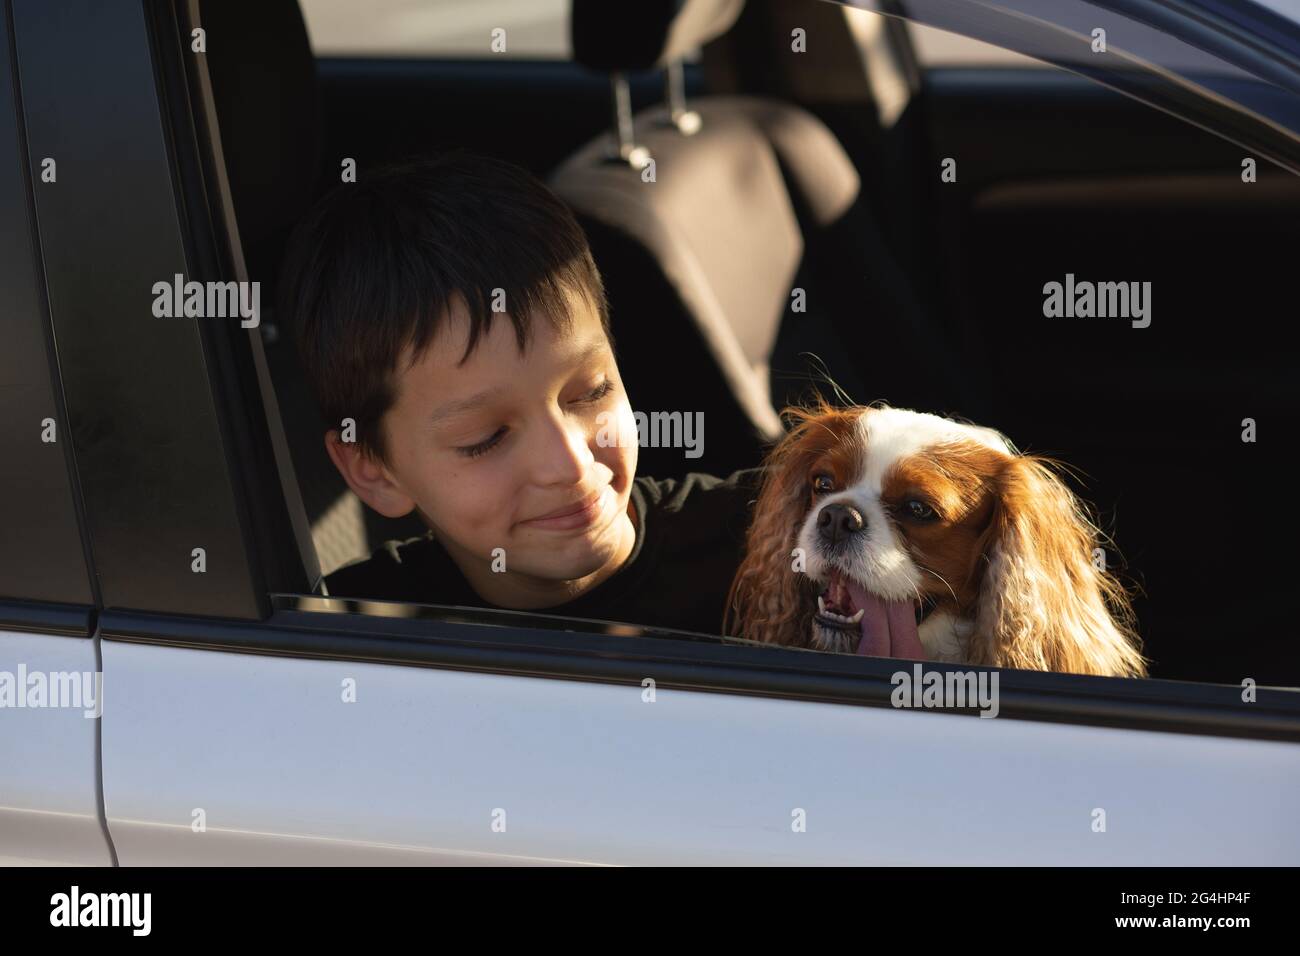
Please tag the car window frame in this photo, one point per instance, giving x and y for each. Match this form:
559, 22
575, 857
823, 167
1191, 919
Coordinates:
550, 646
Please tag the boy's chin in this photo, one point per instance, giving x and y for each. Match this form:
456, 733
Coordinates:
576, 558
579, 559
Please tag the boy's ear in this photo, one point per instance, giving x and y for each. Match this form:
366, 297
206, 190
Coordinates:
367, 477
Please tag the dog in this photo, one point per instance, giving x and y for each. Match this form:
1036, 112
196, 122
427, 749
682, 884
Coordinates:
893, 533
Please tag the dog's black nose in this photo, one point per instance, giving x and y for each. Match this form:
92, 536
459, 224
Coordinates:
837, 522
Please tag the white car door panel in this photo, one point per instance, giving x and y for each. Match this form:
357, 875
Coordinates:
49, 812
419, 767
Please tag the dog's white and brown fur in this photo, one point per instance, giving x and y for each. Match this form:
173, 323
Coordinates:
990, 542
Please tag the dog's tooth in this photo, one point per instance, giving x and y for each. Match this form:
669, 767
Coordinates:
821, 604
857, 617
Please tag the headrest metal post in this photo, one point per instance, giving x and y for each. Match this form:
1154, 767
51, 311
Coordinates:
686, 121
628, 151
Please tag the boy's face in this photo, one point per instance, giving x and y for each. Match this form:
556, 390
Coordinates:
514, 452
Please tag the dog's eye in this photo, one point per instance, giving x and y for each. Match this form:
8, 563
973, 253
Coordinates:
918, 510
822, 483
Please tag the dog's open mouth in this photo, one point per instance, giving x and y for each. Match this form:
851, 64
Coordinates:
878, 627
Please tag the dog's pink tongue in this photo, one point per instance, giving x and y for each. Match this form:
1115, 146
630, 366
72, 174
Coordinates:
888, 627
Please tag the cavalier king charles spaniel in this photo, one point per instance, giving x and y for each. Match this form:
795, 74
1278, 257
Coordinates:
892, 533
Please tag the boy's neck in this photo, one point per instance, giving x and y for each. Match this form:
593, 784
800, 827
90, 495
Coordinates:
525, 592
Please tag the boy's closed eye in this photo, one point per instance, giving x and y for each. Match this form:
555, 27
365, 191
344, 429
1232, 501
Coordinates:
478, 449
483, 447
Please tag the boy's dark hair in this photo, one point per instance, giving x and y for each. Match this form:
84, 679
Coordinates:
376, 265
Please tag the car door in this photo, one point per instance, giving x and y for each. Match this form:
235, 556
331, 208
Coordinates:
249, 720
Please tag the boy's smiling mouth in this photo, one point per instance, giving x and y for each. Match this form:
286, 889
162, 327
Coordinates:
574, 516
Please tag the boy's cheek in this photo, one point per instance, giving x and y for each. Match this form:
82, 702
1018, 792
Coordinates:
463, 504
617, 440
473, 522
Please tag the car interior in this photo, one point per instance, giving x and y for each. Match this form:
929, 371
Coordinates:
820, 171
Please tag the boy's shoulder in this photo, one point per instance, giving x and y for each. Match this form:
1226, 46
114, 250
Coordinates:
690, 510
697, 489
401, 570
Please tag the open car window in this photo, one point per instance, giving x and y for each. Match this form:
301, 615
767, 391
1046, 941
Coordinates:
990, 192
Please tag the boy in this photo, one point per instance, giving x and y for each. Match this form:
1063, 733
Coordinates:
452, 309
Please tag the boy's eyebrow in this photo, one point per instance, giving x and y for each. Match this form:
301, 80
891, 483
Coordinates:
590, 352
467, 404
485, 396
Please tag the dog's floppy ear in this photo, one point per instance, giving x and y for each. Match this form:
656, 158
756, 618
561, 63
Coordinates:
1044, 604
770, 600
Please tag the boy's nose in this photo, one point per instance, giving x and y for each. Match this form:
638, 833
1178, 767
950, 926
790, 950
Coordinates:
563, 456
